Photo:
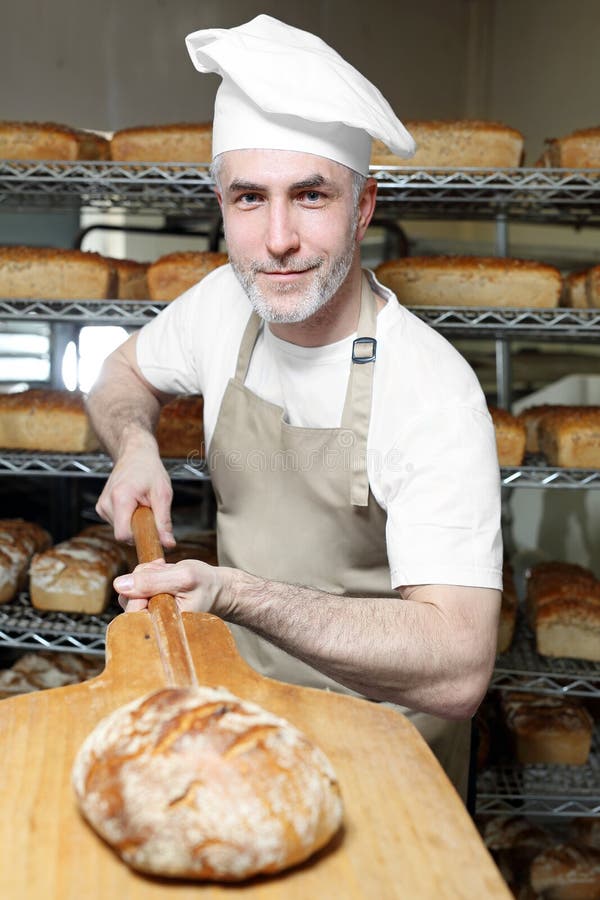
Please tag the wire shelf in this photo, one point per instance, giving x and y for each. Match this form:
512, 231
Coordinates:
23, 626
91, 465
521, 668
542, 790
571, 196
536, 474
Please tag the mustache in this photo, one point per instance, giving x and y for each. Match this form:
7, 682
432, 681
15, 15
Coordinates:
284, 268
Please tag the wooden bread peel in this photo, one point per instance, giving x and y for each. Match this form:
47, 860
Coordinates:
406, 833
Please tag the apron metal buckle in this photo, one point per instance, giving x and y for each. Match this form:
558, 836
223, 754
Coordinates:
364, 350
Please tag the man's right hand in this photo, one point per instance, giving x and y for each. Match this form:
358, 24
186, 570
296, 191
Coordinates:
138, 479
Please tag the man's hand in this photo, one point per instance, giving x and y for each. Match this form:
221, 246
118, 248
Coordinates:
138, 479
196, 586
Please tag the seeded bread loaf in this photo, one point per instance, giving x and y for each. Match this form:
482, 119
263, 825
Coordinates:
39, 419
76, 575
566, 872
186, 142
175, 273
229, 790
47, 140
531, 419
549, 582
570, 437
180, 430
569, 627
548, 729
510, 437
471, 281
578, 150
47, 273
459, 144
19, 540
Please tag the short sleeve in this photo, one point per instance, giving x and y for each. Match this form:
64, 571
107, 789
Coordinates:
442, 489
165, 353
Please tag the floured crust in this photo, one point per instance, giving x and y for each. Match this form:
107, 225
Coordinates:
49, 273
45, 669
180, 431
196, 783
457, 143
510, 437
19, 540
50, 141
471, 281
564, 872
47, 420
185, 142
175, 273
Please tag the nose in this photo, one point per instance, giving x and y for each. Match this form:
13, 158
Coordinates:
282, 235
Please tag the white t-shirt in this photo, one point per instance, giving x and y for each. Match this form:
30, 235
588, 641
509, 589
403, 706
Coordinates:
431, 451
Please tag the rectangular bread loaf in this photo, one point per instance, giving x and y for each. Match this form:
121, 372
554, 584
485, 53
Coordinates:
578, 150
571, 437
47, 140
180, 432
592, 287
48, 273
533, 416
185, 142
568, 627
508, 611
574, 294
457, 144
76, 575
471, 281
175, 273
131, 280
38, 419
510, 437
548, 729
47, 669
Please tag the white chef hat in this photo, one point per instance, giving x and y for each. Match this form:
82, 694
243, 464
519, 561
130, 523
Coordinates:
286, 89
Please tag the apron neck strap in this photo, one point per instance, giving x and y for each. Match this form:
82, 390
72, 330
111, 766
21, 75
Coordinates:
247, 346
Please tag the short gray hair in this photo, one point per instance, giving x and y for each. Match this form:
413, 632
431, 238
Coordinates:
358, 180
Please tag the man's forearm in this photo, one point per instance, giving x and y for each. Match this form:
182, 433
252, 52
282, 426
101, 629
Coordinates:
407, 652
120, 406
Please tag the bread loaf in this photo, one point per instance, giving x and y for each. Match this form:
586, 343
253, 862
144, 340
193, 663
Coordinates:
566, 872
510, 437
508, 611
586, 830
471, 281
45, 669
76, 575
592, 287
570, 437
180, 430
532, 417
459, 144
164, 143
574, 294
34, 140
19, 540
196, 783
175, 273
548, 729
569, 627
47, 273
131, 280
579, 150
39, 419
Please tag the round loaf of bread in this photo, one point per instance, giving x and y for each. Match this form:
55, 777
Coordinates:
197, 783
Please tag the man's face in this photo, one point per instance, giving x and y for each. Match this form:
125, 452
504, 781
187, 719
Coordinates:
290, 227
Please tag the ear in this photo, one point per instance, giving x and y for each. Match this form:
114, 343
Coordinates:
366, 207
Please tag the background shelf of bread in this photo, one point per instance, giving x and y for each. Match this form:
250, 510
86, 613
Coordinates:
540, 861
76, 575
458, 143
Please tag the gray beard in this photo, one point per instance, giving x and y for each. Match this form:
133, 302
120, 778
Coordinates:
324, 284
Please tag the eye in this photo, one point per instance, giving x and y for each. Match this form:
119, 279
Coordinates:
248, 199
311, 198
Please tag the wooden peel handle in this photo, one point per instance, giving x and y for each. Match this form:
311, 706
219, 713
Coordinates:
164, 612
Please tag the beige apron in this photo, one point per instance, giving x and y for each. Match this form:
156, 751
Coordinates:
294, 505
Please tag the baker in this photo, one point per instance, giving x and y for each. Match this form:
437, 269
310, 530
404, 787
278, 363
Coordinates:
350, 448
